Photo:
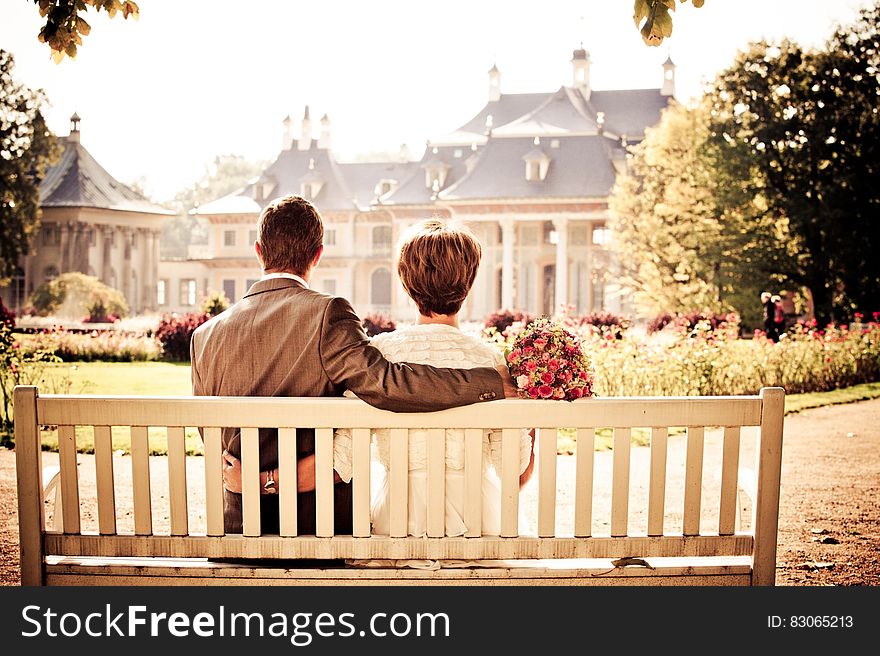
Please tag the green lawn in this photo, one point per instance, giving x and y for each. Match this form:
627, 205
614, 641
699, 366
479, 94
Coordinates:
172, 379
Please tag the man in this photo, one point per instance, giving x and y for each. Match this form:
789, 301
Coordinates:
284, 339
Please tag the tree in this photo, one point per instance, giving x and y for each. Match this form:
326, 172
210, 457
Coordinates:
27, 149
226, 174
653, 19
76, 295
65, 25
799, 130
687, 238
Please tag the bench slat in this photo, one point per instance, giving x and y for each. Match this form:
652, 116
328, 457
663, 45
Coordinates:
177, 480
510, 481
140, 476
214, 465
344, 413
620, 482
69, 478
324, 488
342, 546
104, 481
399, 482
473, 482
250, 481
657, 485
583, 495
360, 465
727, 512
436, 482
287, 481
693, 480
547, 441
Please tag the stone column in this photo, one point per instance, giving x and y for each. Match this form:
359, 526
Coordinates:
589, 263
106, 253
561, 226
125, 287
508, 241
63, 252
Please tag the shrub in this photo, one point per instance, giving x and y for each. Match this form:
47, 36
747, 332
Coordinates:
606, 322
690, 320
175, 334
501, 320
97, 345
75, 295
7, 316
660, 322
375, 323
214, 304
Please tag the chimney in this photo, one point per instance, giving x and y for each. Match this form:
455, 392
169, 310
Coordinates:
494, 84
74, 128
305, 134
403, 155
286, 134
668, 88
580, 64
324, 140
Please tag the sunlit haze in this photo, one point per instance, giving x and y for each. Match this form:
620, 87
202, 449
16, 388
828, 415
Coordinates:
161, 97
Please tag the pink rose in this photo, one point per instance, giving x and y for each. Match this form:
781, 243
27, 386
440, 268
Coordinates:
531, 366
547, 377
540, 343
575, 392
545, 391
528, 350
553, 364
533, 392
513, 355
559, 393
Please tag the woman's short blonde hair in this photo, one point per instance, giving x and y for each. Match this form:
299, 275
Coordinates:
437, 263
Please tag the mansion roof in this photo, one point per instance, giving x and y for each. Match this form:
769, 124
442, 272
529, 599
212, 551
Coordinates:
77, 180
579, 135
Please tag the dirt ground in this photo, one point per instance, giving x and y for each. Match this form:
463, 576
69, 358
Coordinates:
829, 525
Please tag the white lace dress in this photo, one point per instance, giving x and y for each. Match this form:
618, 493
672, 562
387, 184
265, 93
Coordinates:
439, 346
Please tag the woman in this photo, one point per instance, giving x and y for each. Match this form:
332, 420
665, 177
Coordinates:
437, 264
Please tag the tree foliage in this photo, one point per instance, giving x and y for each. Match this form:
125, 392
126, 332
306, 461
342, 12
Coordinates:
688, 238
799, 129
27, 149
654, 20
65, 26
77, 295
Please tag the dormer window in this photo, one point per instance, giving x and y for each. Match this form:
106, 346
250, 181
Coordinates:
537, 163
263, 188
311, 183
385, 186
436, 171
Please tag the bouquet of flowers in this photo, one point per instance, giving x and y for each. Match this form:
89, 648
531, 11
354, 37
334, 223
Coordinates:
547, 361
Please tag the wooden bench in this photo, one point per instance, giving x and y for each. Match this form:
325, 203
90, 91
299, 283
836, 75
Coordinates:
67, 555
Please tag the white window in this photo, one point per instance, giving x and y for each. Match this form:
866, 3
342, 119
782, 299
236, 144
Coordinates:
330, 237
252, 236
229, 237
381, 239
229, 290
188, 292
533, 170
380, 287
162, 292
600, 235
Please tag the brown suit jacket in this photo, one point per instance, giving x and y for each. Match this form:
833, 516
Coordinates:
282, 339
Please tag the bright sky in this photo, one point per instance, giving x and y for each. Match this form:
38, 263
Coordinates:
160, 97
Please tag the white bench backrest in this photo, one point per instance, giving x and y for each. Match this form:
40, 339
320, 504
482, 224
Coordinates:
325, 414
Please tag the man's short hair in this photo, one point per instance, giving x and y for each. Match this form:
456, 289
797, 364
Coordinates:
290, 233
437, 263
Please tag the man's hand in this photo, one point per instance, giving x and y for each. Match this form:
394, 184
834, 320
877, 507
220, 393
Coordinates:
231, 473
506, 381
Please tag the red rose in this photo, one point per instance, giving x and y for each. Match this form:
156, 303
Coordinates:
528, 350
533, 392
575, 392
547, 377
553, 365
545, 391
531, 366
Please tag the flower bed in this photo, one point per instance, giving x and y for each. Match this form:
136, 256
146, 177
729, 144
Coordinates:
97, 345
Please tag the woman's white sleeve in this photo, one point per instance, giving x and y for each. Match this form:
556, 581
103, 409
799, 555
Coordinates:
342, 453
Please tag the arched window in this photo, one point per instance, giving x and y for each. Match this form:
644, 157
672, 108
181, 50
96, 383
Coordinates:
380, 287
382, 240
